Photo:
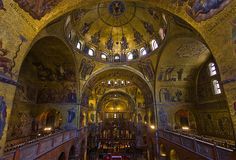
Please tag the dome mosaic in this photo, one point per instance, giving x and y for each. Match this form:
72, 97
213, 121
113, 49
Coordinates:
116, 31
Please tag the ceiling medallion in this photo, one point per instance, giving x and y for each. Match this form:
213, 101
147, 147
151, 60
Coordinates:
116, 8
116, 13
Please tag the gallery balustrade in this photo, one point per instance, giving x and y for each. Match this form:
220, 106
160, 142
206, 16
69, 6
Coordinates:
35, 148
204, 147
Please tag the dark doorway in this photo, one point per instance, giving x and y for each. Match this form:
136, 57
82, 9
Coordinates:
72, 153
62, 156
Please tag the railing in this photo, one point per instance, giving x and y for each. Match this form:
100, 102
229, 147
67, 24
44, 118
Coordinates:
230, 144
41, 146
208, 150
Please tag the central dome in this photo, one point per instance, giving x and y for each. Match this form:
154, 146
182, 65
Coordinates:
116, 31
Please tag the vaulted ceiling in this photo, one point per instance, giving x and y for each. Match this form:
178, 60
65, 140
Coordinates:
117, 28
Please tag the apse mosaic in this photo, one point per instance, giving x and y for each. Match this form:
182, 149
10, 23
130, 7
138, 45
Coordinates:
116, 31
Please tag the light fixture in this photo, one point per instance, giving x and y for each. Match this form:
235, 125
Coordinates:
47, 128
163, 154
185, 128
152, 126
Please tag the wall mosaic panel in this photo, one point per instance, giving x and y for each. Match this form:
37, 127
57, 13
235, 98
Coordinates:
201, 10
63, 93
234, 34
3, 115
37, 8
216, 124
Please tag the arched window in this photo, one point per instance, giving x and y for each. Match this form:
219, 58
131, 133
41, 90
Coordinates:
130, 56
154, 44
91, 52
162, 33
216, 86
79, 45
68, 20
72, 35
104, 56
69, 35
212, 69
117, 58
143, 51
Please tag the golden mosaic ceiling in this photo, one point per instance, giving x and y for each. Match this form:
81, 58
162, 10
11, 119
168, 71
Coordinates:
116, 31
116, 101
115, 74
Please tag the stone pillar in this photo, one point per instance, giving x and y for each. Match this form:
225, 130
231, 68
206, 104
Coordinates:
230, 90
97, 115
85, 148
78, 116
148, 154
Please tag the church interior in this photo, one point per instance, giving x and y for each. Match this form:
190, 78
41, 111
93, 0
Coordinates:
117, 79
